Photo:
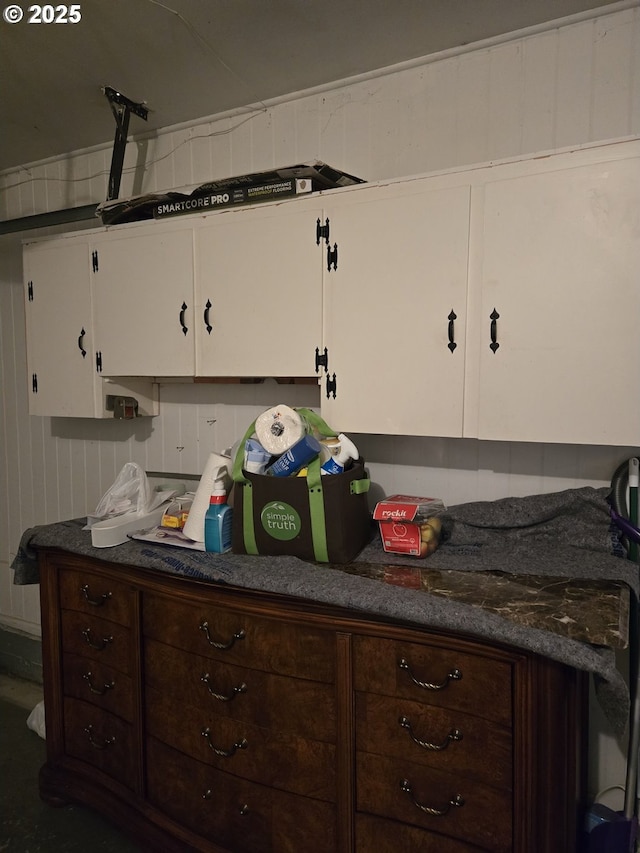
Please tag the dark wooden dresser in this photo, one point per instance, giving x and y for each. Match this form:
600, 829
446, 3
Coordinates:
203, 717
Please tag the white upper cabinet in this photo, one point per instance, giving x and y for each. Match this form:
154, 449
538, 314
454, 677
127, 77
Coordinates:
556, 290
395, 309
142, 279
499, 302
258, 293
63, 375
60, 351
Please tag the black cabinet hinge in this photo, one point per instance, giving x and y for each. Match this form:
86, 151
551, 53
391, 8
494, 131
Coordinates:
94, 260
332, 257
99, 362
30, 291
322, 360
322, 232
331, 386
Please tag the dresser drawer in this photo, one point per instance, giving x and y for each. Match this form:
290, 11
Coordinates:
441, 738
102, 740
106, 642
95, 594
398, 789
389, 836
101, 685
298, 706
240, 638
278, 759
242, 816
447, 678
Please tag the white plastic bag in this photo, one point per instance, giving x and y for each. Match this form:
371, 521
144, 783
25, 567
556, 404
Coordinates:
130, 493
36, 720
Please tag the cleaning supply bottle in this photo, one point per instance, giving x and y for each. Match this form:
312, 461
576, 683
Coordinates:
217, 522
296, 457
340, 451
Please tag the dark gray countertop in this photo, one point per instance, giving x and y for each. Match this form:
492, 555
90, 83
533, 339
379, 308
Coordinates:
537, 573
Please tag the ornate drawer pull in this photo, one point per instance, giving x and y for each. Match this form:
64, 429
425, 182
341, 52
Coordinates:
454, 734
234, 692
239, 635
96, 602
103, 744
99, 690
98, 645
225, 753
454, 802
243, 810
454, 675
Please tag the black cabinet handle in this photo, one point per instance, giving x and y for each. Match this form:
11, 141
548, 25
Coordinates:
207, 324
95, 602
494, 317
101, 743
455, 802
224, 646
224, 753
182, 323
222, 697
453, 675
81, 342
100, 691
454, 735
451, 330
98, 645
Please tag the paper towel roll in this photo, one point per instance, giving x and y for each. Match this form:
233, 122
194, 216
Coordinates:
278, 429
217, 468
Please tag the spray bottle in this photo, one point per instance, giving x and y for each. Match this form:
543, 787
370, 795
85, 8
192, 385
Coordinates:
217, 521
341, 450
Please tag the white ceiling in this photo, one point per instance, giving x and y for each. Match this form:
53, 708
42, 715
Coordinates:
188, 59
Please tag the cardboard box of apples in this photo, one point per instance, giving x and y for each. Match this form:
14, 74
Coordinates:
409, 524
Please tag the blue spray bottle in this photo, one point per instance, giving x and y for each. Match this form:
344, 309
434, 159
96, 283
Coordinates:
217, 522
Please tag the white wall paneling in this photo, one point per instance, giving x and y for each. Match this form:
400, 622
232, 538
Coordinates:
569, 85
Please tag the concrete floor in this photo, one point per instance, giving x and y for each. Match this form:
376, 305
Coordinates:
27, 824
26, 694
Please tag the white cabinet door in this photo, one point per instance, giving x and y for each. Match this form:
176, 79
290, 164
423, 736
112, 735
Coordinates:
559, 279
143, 301
60, 354
259, 291
395, 310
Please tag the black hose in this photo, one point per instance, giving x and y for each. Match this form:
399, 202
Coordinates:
618, 495
618, 499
